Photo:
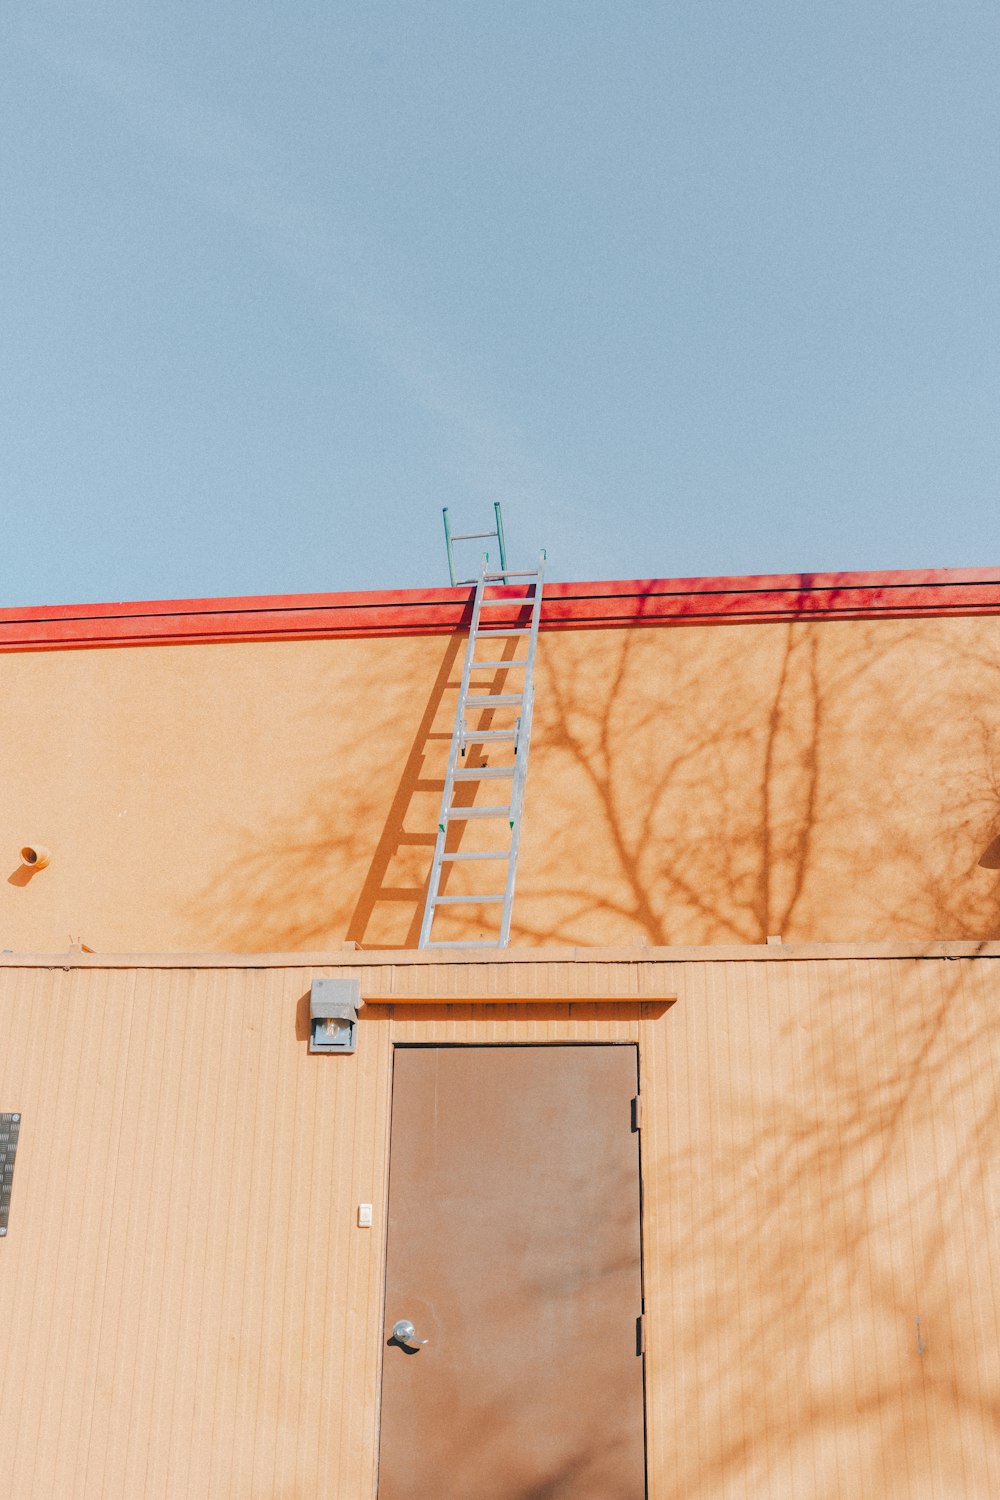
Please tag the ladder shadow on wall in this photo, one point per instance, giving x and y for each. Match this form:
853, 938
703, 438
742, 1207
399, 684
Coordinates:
387, 904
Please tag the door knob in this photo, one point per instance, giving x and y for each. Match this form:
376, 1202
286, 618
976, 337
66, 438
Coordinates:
405, 1333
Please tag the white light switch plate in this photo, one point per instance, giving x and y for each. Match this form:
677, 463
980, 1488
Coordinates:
364, 1216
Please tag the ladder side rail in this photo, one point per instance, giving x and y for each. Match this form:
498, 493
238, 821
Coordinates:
500, 542
457, 742
528, 704
522, 745
448, 545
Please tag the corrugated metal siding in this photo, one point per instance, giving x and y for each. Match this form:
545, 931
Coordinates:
185, 1301
187, 1307
818, 1158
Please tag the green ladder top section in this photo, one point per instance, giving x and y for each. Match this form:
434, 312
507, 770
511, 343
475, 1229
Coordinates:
450, 538
472, 745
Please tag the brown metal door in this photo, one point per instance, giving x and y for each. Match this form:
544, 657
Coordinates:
513, 1248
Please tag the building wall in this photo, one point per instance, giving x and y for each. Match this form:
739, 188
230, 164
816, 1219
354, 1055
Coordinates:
821, 779
188, 1308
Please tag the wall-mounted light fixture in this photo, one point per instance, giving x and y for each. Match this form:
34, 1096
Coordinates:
333, 1015
35, 856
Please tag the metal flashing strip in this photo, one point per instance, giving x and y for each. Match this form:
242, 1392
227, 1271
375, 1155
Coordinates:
650, 979
344, 960
943, 592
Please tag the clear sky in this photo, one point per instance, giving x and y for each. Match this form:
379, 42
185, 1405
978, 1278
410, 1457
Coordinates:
693, 287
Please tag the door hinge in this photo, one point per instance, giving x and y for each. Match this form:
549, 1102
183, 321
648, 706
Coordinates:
640, 1334
637, 1112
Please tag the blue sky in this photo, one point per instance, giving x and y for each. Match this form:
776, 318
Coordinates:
692, 288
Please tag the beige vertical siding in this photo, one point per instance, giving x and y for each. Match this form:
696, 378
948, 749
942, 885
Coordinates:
188, 1308
185, 1302
822, 1147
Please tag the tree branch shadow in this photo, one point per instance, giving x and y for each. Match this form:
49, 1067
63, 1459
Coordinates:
829, 1256
817, 780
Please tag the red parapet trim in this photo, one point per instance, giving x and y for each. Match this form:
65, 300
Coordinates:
566, 606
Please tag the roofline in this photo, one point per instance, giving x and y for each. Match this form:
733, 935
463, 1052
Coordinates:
566, 606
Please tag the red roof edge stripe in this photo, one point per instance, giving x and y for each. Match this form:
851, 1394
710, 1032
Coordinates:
602, 604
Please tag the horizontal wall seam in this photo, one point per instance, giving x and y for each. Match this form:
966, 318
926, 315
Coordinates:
476, 960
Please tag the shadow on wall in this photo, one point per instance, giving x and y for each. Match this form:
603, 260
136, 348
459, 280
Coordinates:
359, 847
826, 1250
819, 781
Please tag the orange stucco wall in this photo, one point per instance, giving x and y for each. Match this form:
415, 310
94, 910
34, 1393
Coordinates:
822, 780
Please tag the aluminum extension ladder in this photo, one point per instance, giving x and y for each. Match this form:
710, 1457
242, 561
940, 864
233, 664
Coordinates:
475, 702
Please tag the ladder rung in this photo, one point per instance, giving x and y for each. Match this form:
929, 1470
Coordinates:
459, 814
483, 773
480, 943
460, 854
468, 900
511, 603
478, 666
471, 536
476, 737
498, 700
481, 634
526, 573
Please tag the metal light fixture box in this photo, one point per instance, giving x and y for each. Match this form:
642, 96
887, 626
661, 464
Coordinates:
333, 1015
